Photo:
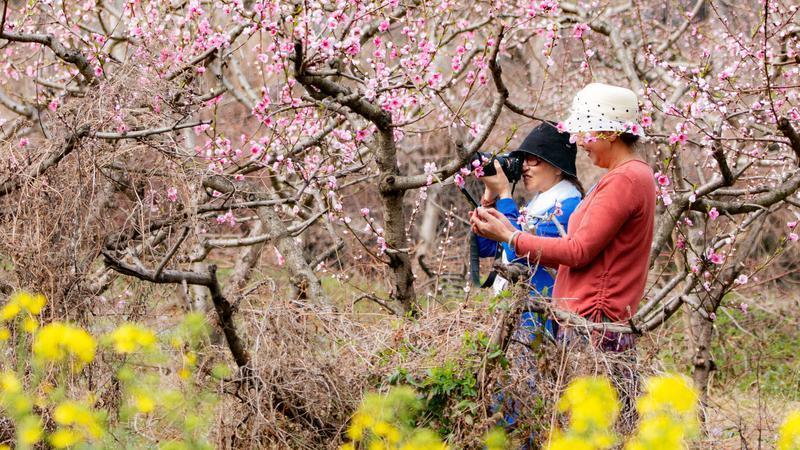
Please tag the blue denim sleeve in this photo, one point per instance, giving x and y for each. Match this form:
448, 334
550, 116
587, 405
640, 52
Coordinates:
487, 247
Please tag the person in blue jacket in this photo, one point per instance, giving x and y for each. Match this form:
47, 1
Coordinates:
549, 173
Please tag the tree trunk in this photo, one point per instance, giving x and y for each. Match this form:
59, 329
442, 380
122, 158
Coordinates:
701, 333
394, 217
427, 231
305, 284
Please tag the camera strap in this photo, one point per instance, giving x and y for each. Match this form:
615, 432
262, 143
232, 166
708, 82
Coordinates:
474, 257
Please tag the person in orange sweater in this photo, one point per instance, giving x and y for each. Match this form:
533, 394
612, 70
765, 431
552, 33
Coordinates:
603, 260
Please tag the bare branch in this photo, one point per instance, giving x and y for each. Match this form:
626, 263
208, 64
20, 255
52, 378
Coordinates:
788, 130
71, 56
138, 134
72, 142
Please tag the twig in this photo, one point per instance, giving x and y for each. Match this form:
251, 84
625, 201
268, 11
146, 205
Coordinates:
172, 251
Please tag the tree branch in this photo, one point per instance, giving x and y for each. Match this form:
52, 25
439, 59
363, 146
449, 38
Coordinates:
72, 142
71, 56
785, 127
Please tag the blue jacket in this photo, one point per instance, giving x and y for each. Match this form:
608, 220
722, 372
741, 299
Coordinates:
541, 281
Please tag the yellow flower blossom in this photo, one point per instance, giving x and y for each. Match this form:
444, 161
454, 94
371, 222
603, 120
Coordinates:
73, 413
63, 438
668, 393
29, 430
130, 338
19, 301
10, 383
57, 341
30, 325
593, 407
789, 434
190, 358
4, 334
144, 403
668, 414
33, 303
9, 311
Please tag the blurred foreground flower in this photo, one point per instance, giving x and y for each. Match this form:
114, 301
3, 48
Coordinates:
57, 341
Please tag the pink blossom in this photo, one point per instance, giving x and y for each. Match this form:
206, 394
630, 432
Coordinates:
365, 212
646, 121
477, 169
792, 225
459, 180
361, 135
793, 237
678, 138
279, 257
712, 317
741, 279
714, 257
560, 127
713, 214
663, 180
172, 194
579, 29
744, 307
383, 26
227, 218
23, 142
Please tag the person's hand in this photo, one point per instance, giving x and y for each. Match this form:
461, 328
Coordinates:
491, 223
497, 186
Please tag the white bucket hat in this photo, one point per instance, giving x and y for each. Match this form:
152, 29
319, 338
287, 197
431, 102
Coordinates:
602, 107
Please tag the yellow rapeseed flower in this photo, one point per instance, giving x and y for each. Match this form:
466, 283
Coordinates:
30, 325
29, 430
9, 311
33, 303
668, 411
130, 338
10, 383
144, 403
789, 434
63, 438
668, 393
78, 415
592, 402
386, 430
22, 300
57, 341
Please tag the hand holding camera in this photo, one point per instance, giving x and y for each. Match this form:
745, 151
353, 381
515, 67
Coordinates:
498, 174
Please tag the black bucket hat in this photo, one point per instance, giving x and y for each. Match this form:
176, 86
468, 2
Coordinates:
550, 145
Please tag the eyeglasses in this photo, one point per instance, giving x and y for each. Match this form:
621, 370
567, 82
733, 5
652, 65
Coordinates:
532, 160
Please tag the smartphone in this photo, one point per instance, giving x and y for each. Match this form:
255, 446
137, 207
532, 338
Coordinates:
469, 197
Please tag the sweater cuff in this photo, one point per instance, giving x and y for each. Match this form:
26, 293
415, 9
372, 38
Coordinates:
526, 243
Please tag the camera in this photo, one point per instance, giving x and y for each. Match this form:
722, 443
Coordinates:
511, 165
